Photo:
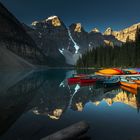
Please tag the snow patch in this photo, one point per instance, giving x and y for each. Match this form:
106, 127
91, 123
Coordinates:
34, 23
75, 44
62, 84
36, 112
61, 50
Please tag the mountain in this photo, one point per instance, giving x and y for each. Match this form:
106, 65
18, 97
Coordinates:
46, 34
53, 38
47, 46
66, 44
92, 39
50, 42
123, 35
16, 46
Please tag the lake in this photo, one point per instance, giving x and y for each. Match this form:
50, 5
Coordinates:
34, 104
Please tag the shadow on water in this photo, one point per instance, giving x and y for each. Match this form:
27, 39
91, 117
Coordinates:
45, 94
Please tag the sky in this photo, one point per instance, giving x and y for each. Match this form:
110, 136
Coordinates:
101, 14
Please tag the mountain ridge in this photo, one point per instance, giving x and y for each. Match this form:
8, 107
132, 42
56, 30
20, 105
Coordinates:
50, 42
124, 34
77, 39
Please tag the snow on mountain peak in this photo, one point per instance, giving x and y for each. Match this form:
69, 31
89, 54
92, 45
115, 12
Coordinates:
54, 20
34, 23
51, 17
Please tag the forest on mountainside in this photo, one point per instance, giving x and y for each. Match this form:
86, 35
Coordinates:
127, 55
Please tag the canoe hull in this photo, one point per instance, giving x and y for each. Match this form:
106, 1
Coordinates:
87, 84
72, 81
84, 81
130, 85
137, 81
111, 71
111, 84
131, 90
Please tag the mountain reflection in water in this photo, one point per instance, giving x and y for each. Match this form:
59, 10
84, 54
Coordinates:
47, 94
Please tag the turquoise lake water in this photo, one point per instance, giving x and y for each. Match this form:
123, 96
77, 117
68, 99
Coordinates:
34, 104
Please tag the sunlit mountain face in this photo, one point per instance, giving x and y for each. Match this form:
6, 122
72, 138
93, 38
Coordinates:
39, 103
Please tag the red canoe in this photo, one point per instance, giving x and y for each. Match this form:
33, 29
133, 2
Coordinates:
82, 81
86, 84
76, 79
73, 80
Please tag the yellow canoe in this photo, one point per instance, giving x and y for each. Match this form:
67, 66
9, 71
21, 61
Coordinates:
110, 71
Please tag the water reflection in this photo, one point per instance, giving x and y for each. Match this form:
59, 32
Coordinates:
47, 93
110, 96
16, 95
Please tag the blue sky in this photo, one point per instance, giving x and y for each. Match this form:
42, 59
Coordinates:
117, 14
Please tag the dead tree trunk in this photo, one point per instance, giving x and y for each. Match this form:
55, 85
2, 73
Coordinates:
73, 132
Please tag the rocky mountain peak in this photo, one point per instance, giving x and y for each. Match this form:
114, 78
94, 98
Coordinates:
95, 30
108, 31
50, 22
34, 23
55, 21
78, 27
